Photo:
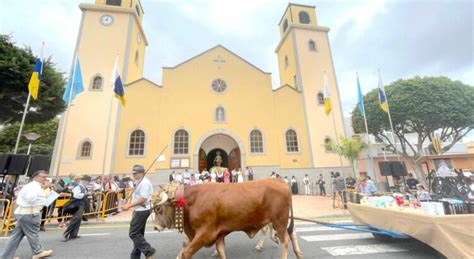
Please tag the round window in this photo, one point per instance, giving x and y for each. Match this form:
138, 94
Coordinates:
219, 85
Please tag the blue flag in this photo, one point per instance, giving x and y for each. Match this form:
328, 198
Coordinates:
76, 87
361, 99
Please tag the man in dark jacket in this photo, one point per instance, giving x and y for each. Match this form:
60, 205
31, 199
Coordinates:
76, 205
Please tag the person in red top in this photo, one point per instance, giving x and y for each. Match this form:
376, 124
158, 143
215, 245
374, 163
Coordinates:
227, 176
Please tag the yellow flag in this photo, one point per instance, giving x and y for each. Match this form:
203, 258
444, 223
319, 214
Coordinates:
33, 86
327, 97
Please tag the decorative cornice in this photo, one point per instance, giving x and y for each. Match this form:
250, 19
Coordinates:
116, 9
303, 27
146, 80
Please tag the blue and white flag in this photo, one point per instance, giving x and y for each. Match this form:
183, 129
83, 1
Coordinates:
74, 84
118, 85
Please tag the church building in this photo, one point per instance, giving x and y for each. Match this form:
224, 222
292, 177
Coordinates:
213, 102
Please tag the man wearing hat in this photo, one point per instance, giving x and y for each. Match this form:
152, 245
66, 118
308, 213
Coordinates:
76, 205
30, 201
141, 202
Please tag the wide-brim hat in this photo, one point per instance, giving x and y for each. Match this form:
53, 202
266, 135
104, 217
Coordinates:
86, 178
138, 169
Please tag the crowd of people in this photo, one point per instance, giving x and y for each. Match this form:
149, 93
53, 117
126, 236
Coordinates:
214, 176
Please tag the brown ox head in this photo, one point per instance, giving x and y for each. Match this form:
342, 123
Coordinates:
164, 203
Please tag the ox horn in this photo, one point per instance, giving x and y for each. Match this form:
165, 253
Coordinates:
161, 186
163, 197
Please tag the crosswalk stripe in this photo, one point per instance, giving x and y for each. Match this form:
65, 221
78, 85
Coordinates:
311, 229
364, 249
95, 234
317, 238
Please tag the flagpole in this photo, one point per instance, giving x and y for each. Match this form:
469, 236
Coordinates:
366, 129
109, 119
27, 105
390, 119
66, 115
335, 128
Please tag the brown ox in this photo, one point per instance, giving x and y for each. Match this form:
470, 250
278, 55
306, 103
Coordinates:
213, 210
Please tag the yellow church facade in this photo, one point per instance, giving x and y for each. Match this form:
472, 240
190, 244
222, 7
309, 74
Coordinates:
213, 103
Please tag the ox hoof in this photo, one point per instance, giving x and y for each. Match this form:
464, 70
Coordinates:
275, 239
258, 248
215, 254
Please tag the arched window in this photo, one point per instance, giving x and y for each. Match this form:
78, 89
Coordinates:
286, 61
181, 142
256, 141
285, 25
86, 149
291, 141
320, 98
312, 45
327, 142
304, 17
137, 143
220, 114
97, 83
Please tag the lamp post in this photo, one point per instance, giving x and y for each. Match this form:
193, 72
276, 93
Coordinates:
31, 137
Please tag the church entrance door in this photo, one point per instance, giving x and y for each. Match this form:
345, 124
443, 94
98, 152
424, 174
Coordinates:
234, 159
202, 160
221, 144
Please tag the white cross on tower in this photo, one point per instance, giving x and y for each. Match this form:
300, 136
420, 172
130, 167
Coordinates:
219, 60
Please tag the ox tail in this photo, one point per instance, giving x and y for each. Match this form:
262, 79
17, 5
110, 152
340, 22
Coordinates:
292, 220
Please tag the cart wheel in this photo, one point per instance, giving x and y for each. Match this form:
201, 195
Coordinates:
382, 237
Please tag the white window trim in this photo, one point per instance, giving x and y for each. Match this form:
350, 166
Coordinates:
297, 141
79, 150
91, 83
127, 149
263, 143
172, 143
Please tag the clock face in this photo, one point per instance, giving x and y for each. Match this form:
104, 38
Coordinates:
106, 19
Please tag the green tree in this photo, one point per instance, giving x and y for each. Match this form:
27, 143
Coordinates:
427, 106
44, 145
16, 67
349, 148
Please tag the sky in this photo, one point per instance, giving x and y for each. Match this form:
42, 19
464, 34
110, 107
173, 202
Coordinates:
401, 38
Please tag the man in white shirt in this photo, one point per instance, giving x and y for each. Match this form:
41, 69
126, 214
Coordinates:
141, 201
306, 184
179, 178
30, 201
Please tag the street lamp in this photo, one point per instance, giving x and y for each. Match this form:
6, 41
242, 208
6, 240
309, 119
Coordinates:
31, 137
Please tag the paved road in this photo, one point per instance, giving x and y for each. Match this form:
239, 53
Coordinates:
111, 241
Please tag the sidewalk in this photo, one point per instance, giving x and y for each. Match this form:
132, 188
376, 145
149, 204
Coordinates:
310, 207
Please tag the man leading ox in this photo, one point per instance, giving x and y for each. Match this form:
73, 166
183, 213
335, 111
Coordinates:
212, 211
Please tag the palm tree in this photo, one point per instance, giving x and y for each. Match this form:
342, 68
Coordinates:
349, 148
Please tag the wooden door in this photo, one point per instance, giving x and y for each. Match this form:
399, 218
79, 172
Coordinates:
202, 160
234, 159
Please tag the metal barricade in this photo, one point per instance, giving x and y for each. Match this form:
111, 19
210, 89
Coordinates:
5, 214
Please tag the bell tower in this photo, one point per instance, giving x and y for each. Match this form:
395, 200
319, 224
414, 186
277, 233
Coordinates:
109, 30
304, 56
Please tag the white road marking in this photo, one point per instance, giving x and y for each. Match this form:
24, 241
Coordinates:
364, 249
95, 234
158, 232
317, 238
310, 229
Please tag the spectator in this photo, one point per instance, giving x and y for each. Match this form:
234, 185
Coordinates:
273, 175
226, 176
321, 182
294, 185
339, 187
240, 176
412, 182
422, 194
249, 173
350, 182
179, 178
172, 177
306, 184
365, 187
286, 180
